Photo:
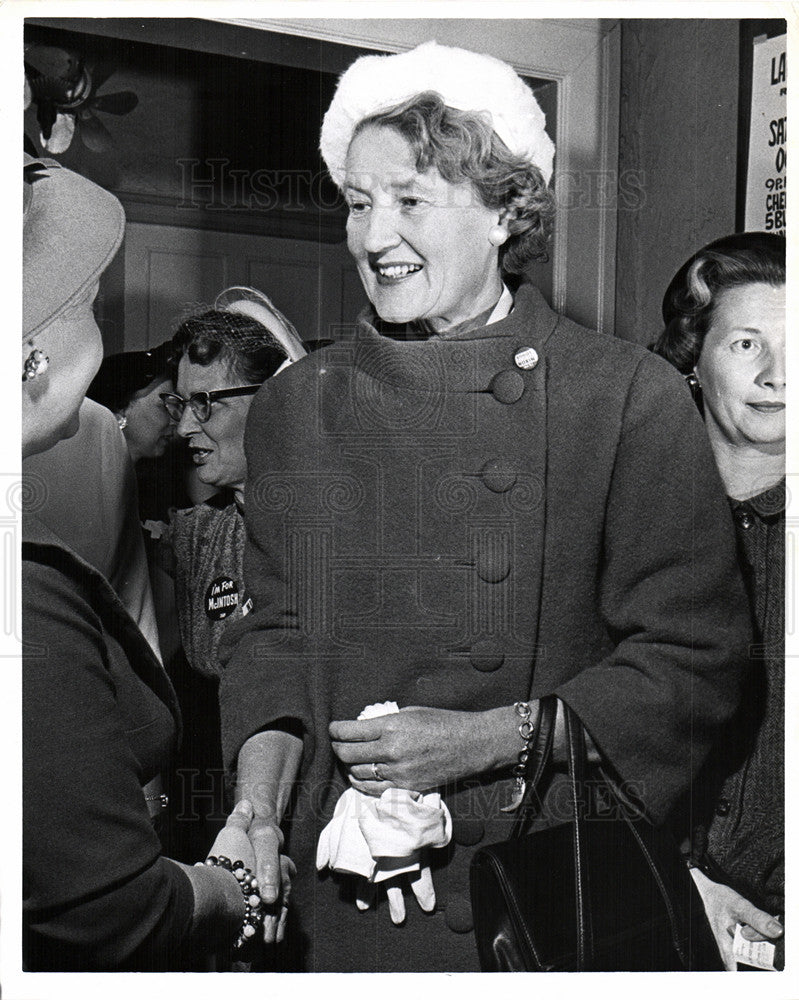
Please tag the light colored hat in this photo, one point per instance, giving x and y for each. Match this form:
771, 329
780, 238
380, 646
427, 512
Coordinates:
467, 81
250, 302
71, 230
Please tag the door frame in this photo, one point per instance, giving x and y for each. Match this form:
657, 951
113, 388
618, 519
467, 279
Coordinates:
582, 55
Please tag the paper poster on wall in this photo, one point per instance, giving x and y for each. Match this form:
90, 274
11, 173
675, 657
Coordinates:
766, 190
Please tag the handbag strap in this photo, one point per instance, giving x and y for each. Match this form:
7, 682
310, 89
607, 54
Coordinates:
578, 767
538, 762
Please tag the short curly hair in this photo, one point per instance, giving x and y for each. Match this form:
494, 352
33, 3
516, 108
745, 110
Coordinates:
245, 346
741, 259
463, 146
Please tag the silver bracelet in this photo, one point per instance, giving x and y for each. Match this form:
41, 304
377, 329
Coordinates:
526, 730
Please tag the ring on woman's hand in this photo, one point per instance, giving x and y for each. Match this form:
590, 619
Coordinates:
376, 773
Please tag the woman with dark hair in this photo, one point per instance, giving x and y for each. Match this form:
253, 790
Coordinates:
483, 507
130, 385
724, 315
222, 357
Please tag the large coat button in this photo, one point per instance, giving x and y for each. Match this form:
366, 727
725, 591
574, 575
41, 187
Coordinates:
493, 565
467, 831
486, 655
526, 358
498, 475
507, 386
458, 915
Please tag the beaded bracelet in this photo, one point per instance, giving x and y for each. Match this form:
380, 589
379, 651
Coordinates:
248, 883
526, 730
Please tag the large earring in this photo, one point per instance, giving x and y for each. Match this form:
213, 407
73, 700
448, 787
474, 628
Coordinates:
36, 364
693, 383
497, 235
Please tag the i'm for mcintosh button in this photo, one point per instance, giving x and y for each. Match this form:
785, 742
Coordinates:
221, 598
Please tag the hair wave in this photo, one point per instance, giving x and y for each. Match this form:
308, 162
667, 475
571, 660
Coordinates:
463, 146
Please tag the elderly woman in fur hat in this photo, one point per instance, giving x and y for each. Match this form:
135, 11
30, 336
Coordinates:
484, 505
99, 714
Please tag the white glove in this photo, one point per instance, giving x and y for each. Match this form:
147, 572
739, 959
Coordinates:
379, 839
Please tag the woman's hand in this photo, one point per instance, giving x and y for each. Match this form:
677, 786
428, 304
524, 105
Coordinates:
275, 871
267, 766
257, 842
725, 908
233, 840
423, 748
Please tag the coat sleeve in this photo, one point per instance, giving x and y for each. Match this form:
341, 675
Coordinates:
266, 660
671, 598
97, 893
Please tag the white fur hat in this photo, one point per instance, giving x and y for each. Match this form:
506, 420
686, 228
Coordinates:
467, 81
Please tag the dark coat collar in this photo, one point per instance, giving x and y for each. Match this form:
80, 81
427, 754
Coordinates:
435, 364
769, 503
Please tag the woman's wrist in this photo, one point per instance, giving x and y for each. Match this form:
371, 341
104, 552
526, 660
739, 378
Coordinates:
500, 737
250, 894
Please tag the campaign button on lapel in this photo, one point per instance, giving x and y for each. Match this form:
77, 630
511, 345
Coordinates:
526, 358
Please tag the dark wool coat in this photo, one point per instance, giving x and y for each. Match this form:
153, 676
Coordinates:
435, 523
99, 720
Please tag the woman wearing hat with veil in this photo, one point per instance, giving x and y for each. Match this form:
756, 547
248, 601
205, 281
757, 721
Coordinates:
220, 356
99, 713
484, 506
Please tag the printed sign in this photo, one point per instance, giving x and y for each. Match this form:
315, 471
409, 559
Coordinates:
766, 181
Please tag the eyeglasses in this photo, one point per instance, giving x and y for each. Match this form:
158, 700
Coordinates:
200, 402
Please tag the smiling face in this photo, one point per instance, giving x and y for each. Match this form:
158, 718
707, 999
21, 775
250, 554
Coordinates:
149, 428
742, 368
217, 446
421, 244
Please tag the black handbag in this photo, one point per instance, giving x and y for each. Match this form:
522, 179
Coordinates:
605, 892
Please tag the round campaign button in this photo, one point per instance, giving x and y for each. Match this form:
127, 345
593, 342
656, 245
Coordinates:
526, 358
221, 598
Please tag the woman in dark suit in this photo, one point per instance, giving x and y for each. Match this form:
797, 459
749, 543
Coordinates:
475, 503
99, 714
724, 314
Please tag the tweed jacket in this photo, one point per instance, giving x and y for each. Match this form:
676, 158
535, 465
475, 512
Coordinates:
525, 508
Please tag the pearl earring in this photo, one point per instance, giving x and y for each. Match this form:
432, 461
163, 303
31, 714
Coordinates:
497, 235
